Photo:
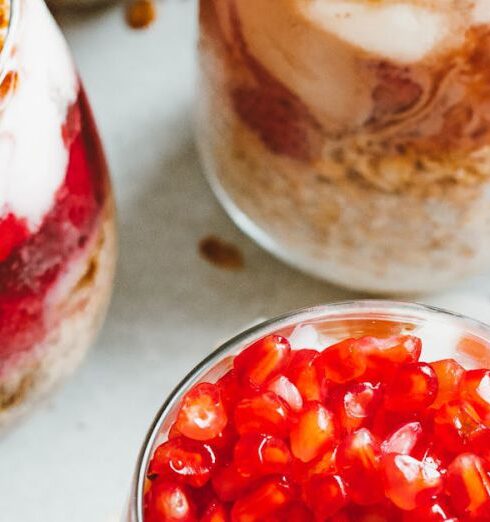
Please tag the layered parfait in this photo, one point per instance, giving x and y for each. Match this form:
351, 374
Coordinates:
56, 216
362, 412
351, 137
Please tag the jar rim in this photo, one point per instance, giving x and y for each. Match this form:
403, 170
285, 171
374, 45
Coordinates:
8, 43
384, 309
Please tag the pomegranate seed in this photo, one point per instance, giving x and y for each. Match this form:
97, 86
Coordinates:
303, 471
285, 389
409, 483
431, 454
302, 373
386, 422
265, 413
359, 462
173, 432
480, 443
385, 512
475, 388
203, 498
313, 433
468, 486
222, 446
169, 502
230, 390
296, 512
190, 461
222, 443
341, 516
435, 511
341, 362
262, 360
456, 424
325, 495
403, 440
257, 454
449, 374
413, 388
229, 485
398, 349
262, 502
215, 512
356, 405
202, 415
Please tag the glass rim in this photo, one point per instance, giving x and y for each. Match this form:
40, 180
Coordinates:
9, 37
362, 306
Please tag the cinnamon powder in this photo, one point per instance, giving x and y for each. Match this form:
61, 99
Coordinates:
221, 253
140, 14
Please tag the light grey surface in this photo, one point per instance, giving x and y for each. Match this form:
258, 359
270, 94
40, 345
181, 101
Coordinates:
73, 459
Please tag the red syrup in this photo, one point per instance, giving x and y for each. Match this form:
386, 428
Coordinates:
32, 264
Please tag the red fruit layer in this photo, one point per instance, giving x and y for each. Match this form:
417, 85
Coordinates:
31, 264
359, 432
267, 107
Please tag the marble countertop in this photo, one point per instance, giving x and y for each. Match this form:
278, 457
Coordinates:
73, 459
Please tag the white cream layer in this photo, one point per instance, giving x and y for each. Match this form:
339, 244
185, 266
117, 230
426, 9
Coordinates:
317, 47
33, 158
481, 12
402, 32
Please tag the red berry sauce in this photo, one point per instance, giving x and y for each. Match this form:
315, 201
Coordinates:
31, 264
362, 431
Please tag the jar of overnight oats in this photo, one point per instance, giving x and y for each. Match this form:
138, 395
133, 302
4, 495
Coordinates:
352, 138
57, 239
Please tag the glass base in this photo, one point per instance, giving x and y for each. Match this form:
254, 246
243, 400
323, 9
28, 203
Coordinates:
320, 269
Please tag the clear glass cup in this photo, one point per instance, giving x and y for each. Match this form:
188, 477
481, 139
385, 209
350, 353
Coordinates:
444, 335
57, 248
352, 139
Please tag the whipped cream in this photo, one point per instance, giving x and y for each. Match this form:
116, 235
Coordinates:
33, 157
403, 32
481, 12
319, 48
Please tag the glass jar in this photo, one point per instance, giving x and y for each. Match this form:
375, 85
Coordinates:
57, 248
443, 334
59, 5
352, 138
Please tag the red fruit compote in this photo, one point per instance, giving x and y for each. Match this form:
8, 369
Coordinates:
365, 412
57, 244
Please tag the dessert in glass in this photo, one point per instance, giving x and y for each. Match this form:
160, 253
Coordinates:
57, 237
352, 412
351, 138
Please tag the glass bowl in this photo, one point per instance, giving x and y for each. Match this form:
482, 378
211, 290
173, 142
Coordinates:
444, 335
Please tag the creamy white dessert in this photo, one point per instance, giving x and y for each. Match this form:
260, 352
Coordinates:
33, 156
351, 138
56, 213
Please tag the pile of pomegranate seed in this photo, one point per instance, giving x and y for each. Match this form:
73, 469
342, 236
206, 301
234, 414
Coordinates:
361, 431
